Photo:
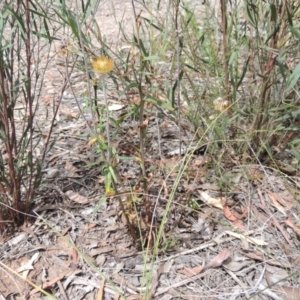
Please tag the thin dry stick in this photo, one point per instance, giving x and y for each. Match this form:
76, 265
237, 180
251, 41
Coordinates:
53, 119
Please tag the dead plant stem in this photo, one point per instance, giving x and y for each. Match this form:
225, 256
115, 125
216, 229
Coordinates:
54, 119
179, 46
29, 101
225, 50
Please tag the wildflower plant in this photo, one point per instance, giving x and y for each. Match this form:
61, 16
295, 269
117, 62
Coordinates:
101, 66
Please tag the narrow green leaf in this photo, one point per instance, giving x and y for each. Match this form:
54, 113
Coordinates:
65, 21
157, 102
193, 68
273, 13
293, 79
233, 57
290, 18
243, 73
19, 20
97, 207
295, 32
140, 44
152, 24
89, 9
113, 174
153, 57
73, 25
251, 18
38, 13
296, 154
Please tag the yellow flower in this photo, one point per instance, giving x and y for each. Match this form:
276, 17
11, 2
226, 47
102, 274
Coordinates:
102, 65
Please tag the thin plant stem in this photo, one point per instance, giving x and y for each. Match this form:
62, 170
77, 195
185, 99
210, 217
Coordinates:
179, 45
54, 119
30, 101
225, 50
96, 102
158, 136
141, 116
86, 69
74, 95
107, 119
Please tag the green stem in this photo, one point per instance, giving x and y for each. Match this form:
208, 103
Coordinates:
107, 121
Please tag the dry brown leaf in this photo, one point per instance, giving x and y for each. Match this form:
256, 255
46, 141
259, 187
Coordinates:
69, 167
48, 99
272, 216
236, 264
74, 256
164, 125
199, 162
291, 224
54, 280
230, 216
64, 232
215, 262
192, 272
76, 197
145, 123
218, 260
275, 199
284, 198
286, 292
134, 297
261, 257
91, 226
68, 113
101, 290
135, 100
242, 215
289, 293
106, 249
216, 202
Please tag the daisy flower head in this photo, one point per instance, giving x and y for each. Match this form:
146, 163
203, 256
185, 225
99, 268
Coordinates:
102, 65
